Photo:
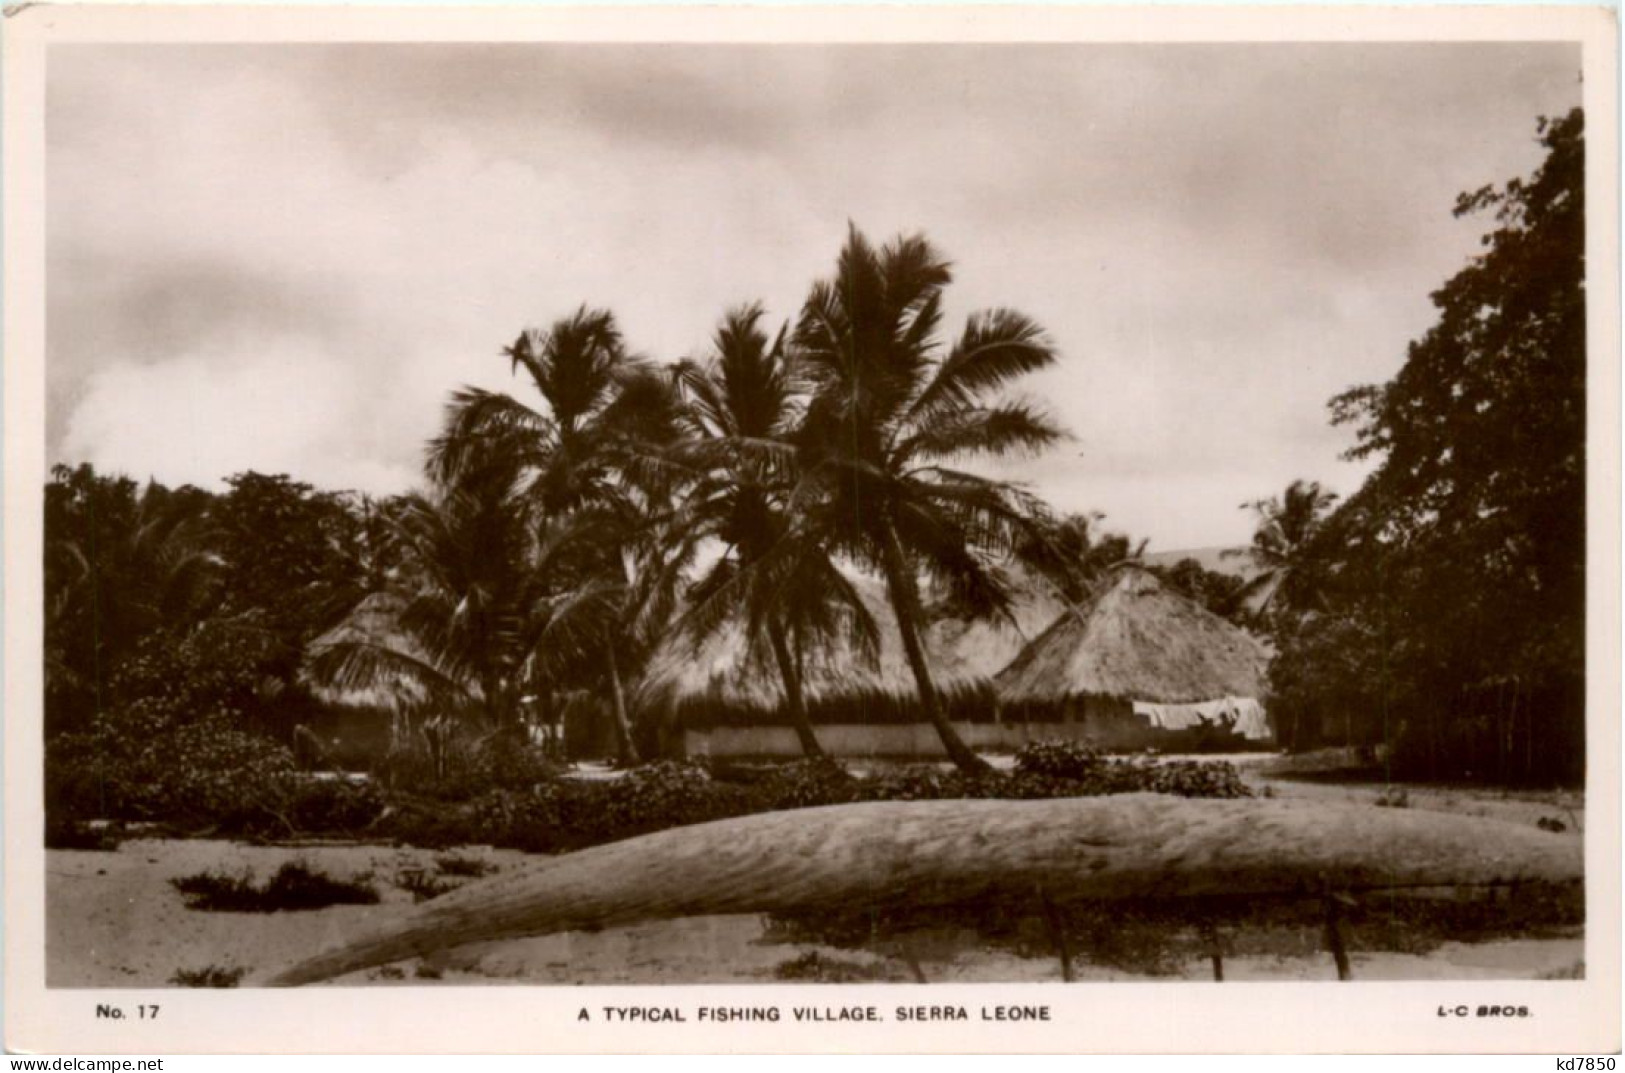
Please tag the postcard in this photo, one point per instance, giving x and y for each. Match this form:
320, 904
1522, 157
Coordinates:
1001, 529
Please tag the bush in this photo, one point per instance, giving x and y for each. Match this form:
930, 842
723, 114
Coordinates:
1059, 760
815, 968
294, 887
470, 767
209, 772
212, 976
213, 772
468, 867
335, 805
1054, 765
566, 815
808, 783
422, 886
76, 834
1394, 797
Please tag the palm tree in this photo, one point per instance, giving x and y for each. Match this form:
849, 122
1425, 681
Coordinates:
742, 410
566, 453
1282, 542
628, 566
470, 612
887, 412
587, 463
120, 566
1073, 552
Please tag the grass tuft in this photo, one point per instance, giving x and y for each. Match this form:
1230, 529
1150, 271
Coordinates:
460, 865
294, 887
212, 976
815, 968
423, 886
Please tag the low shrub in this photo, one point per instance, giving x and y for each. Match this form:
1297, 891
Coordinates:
1059, 760
77, 834
815, 968
294, 887
465, 867
469, 767
1394, 797
212, 976
806, 784
1573, 971
1055, 764
422, 886
1191, 778
210, 772
334, 805
565, 814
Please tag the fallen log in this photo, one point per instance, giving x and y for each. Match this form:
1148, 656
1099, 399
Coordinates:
924, 853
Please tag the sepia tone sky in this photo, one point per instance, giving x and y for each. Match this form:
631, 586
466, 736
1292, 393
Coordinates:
285, 257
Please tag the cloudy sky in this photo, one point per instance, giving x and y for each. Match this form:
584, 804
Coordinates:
284, 257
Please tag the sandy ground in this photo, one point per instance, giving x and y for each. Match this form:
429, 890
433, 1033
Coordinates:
114, 920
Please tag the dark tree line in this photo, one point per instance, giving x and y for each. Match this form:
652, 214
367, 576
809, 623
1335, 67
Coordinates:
1441, 608
152, 591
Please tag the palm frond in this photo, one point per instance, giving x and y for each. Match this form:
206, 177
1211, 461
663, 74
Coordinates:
368, 665
482, 427
991, 430
997, 347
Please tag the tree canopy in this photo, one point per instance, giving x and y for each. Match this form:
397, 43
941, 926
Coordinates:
1459, 566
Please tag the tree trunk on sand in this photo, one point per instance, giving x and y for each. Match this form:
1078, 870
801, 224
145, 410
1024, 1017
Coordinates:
905, 598
921, 854
794, 700
626, 750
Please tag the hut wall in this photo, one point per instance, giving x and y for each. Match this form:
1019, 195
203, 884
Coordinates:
1108, 723
912, 740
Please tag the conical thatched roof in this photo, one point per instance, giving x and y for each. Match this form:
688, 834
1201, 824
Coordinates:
963, 654
1135, 639
374, 621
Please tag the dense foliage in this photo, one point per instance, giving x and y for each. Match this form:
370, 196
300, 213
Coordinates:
1441, 608
568, 814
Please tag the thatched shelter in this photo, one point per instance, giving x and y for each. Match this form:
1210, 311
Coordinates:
715, 684
1135, 644
374, 621
359, 723
718, 669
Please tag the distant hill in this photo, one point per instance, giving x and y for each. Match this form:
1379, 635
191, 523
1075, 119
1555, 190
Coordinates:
1211, 559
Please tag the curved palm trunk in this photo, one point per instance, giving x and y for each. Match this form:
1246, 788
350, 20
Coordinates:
905, 598
793, 697
626, 750
1102, 850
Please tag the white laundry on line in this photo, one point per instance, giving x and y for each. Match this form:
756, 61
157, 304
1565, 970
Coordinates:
1242, 715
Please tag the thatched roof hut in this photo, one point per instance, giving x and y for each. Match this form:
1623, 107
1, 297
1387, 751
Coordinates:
374, 621
718, 673
1135, 639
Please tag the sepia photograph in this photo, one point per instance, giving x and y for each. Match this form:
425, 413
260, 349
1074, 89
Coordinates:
944, 516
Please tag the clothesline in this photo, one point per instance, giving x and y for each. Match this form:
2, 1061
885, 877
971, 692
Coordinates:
1241, 715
